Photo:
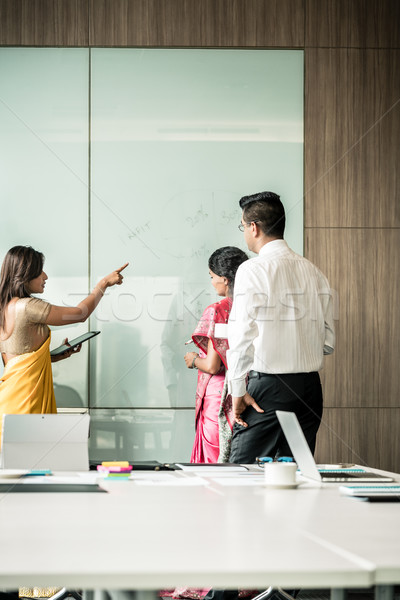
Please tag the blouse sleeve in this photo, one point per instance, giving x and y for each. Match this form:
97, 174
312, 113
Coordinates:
205, 331
37, 310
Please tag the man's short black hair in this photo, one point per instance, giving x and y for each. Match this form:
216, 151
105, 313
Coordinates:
260, 197
265, 209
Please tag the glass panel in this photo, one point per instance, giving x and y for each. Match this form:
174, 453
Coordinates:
135, 435
44, 178
178, 136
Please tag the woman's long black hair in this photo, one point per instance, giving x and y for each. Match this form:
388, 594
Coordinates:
21, 264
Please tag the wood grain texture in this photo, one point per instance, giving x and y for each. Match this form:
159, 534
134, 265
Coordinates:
197, 23
363, 436
44, 23
352, 132
362, 266
352, 23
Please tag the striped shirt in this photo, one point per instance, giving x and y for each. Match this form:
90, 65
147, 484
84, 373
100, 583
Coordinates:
282, 316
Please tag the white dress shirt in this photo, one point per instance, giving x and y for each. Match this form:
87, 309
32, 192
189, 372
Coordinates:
282, 316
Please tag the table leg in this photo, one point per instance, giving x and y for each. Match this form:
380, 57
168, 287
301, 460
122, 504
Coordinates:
384, 592
338, 594
146, 595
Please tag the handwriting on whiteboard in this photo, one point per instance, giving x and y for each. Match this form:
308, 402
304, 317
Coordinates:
229, 217
199, 217
200, 252
139, 230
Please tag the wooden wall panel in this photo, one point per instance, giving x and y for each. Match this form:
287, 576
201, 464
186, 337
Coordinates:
196, 23
352, 132
362, 266
352, 217
363, 436
44, 23
353, 23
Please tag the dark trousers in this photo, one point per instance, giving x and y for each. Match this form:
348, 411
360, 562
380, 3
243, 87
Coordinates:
300, 393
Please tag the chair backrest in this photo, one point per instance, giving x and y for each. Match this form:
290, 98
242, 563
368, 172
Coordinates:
67, 397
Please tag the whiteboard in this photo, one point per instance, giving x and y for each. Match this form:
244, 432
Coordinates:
177, 137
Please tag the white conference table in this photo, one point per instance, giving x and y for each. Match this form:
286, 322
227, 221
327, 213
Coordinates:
160, 534
370, 531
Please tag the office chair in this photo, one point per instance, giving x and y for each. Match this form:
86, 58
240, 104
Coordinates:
64, 593
59, 595
67, 397
276, 594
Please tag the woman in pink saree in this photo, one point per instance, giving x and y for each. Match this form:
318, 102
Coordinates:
212, 403
210, 336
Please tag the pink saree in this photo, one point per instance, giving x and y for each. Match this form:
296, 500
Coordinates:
210, 405
209, 387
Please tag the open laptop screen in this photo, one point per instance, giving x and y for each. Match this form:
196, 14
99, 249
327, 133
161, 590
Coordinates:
305, 460
56, 442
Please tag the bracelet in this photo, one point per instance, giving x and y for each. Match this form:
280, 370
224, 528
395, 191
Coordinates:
98, 286
193, 361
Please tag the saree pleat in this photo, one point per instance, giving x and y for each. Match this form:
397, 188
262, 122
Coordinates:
206, 442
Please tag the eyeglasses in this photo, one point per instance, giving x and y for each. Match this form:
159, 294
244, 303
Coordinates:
241, 226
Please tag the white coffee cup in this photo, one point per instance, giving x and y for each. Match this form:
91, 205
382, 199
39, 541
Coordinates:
280, 474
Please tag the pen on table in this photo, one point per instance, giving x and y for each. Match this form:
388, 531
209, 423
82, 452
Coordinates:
38, 473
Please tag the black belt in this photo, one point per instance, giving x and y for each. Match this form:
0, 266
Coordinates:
258, 374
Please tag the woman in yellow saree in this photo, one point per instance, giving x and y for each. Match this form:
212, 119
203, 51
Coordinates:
26, 385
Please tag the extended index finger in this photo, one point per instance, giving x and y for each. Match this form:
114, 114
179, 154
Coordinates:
122, 268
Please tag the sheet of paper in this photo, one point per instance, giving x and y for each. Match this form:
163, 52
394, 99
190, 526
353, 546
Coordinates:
12, 473
176, 482
151, 476
211, 468
230, 474
238, 481
52, 479
89, 476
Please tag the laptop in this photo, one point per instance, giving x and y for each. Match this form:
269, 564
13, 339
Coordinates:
305, 460
55, 442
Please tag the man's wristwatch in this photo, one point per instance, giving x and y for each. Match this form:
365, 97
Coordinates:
193, 361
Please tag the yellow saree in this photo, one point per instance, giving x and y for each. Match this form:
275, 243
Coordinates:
26, 385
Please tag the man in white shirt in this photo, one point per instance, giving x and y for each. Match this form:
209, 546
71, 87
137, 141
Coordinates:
281, 325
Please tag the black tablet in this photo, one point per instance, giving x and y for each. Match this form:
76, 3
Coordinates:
73, 343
